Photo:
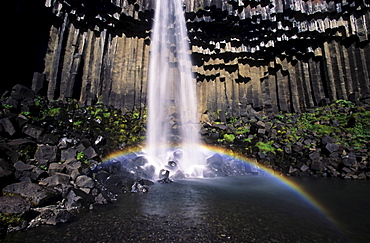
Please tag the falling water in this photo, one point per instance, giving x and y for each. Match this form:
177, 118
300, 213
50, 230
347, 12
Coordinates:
172, 103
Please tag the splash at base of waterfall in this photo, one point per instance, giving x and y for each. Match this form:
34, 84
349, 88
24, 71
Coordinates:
171, 165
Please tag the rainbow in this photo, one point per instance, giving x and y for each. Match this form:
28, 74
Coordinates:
284, 180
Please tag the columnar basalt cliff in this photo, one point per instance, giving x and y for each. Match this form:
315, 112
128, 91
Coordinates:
272, 55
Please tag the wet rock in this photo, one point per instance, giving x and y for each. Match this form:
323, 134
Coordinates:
137, 187
14, 205
33, 131
46, 154
100, 199
38, 174
56, 167
349, 159
49, 138
6, 172
207, 174
68, 154
21, 120
77, 199
143, 172
171, 164
65, 142
51, 215
90, 153
178, 175
331, 147
326, 139
215, 160
304, 168
261, 131
149, 171
362, 176
22, 169
84, 181
314, 155
8, 126
317, 165
164, 174
292, 170
102, 176
140, 161
56, 179
119, 183
37, 194
20, 142
73, 166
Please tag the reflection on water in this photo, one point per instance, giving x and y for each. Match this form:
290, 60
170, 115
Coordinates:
231, 209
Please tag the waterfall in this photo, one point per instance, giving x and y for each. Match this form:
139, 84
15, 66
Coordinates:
172, 121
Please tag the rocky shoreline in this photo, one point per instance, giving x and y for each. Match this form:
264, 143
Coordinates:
52, 152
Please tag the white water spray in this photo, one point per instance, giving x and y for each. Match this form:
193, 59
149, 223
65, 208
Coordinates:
172, 102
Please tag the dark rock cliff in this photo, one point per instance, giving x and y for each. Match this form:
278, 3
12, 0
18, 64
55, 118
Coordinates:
273, 55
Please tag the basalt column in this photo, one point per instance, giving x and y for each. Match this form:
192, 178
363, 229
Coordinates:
272, 55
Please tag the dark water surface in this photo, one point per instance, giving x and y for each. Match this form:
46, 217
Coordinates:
230, 209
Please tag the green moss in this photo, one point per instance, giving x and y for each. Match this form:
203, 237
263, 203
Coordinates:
229, 138
242, 130
54, 111
266, 147
7, 219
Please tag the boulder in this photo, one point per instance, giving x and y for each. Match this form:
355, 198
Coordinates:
326, 139
349, 159
56, 179
37, 194
215, 160
102, 176
21, 166
24, 171
119, 183
68, 154
84, 181
49, 138
77, 199
20, 92
33, 131
178, 175
137, 187
331, 147
46, 154
100, 199
8, 126
20, 142
6, 171
51, 215
90, 153
304, 168
14, 205
56, 167
316, 165
314, 155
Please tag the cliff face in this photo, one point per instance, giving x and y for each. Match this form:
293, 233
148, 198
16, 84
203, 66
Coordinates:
272, 55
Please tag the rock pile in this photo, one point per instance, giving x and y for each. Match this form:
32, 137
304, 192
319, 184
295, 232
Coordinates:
49, 157
331, 141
